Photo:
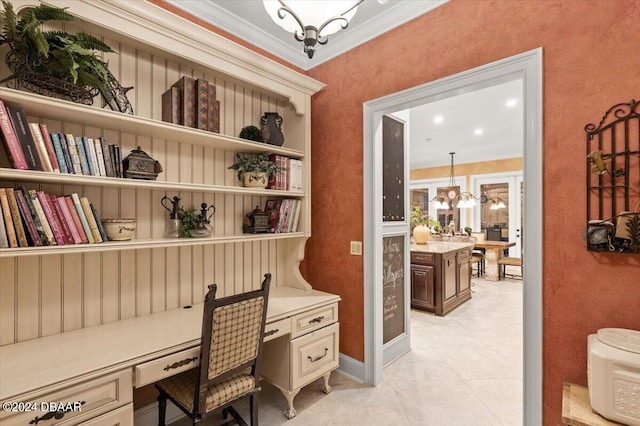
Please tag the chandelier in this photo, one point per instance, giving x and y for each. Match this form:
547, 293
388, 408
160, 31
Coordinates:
311, 22
465, 200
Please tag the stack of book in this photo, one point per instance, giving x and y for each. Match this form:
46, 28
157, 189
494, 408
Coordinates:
32, 218
289, 178
192, 102
31, 146
284, 214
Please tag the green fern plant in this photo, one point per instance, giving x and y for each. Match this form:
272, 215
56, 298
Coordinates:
66, 56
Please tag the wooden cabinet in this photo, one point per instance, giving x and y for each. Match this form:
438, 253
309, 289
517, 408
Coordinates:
440, 282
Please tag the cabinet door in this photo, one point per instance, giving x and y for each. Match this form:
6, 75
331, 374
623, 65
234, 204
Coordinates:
449, 276
464, 272
422, 290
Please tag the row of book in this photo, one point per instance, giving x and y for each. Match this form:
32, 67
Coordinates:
33, 218
192, 103
284, 214
289, 177
30, 146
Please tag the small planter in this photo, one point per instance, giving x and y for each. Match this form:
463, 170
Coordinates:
256, 180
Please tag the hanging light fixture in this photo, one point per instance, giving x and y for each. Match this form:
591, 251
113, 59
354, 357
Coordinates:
311, 22
497, 204
439, 203
466, 200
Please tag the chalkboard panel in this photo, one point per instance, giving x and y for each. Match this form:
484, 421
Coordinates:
392, 287
392, 170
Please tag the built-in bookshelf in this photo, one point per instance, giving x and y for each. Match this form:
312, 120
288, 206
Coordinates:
52, 289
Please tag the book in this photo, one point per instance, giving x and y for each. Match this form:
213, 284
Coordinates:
117, 160
83, 218
60, 219
76, 218
17, 218
10, 140
171, 106
41, 147
54, 155
295, 216
28, 215
214, 110
8, 220
92, 157
51, 218
91, 219
202, 104
108, 161
38, 216
272, 209
103, 233
68, 217
57, 148
21, 126
295, 175
187, 87
285, 210
72, 146
83, 155
100, 156
4, 240
65, 151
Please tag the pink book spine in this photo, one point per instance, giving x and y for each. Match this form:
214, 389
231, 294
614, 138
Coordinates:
11, 139
67, 216
59, 218
48, 212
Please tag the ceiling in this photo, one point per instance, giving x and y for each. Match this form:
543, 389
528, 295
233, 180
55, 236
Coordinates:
430, 143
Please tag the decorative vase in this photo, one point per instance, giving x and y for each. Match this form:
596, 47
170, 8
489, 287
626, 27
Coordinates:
271, 127
421, 234
255, 180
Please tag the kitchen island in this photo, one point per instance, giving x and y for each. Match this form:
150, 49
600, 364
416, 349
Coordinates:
440, 275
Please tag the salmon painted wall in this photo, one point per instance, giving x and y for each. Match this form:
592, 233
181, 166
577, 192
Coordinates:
591, 53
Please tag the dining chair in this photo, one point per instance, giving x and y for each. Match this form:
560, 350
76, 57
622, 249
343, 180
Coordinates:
230, 354
477, 255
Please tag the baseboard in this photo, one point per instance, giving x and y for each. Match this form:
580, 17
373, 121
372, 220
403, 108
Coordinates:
148, 415
352, 368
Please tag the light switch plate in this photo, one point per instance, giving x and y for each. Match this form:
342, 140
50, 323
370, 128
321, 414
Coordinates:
356, 248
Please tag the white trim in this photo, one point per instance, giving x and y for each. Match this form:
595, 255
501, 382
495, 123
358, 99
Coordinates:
527, 66
351, 367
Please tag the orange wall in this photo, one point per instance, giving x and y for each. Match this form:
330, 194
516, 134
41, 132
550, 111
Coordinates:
591, 61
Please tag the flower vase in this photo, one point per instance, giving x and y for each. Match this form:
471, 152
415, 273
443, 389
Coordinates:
421, 234
271, 127
255, 180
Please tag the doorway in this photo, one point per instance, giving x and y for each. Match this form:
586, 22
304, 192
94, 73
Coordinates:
528, 67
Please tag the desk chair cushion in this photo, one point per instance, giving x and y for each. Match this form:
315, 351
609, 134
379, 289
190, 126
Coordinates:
235, 337
181, 389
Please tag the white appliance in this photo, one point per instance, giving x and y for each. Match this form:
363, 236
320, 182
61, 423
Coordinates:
613, 372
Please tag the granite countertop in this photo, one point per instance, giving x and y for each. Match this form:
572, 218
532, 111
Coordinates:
440, 246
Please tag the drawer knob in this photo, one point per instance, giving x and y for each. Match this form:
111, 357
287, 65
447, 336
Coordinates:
316, 319
58, 414
271, 332
180, 363
312, 359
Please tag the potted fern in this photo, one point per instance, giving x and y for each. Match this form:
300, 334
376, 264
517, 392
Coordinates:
255, 170
57, 63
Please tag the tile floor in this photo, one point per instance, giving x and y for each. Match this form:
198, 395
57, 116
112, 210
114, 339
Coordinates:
464, 369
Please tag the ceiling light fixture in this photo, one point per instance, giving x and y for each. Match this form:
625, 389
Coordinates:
438, 119
497, 204
311, 22
466, 200
478, 132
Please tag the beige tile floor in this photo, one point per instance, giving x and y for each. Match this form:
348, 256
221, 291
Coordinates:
464, 369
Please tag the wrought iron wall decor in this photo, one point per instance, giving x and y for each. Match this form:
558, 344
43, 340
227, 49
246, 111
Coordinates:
613, 180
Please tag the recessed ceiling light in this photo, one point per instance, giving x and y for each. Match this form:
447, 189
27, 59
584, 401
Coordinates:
478, 131
512, 102
438, 119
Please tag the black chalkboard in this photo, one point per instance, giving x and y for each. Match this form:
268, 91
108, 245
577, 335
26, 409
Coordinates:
392, 287
392, 170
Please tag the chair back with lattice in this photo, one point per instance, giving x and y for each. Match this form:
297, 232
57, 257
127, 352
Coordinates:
232, 337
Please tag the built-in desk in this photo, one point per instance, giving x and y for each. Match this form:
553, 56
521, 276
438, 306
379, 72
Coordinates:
100, 365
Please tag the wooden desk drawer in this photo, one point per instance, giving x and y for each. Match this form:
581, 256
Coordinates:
122, 416
314, 354
170, 365
422, 258
277, 329
94, 397
313, 320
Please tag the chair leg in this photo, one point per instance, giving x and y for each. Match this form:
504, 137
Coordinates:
253, 404
162, 409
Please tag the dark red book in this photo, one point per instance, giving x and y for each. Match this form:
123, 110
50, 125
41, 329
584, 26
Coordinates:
48, 143
21, 126
202, 104
10, 140
28, 218
187, 86
214, 110
171, 106
272, 209
54, 222
58, 216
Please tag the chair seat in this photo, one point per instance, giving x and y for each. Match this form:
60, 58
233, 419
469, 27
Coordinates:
511, 261
182, 386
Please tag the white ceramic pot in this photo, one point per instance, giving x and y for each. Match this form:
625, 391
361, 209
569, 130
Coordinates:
421, 234
119, 229
256, 180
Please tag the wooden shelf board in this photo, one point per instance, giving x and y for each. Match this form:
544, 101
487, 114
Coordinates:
145, 244
57, 109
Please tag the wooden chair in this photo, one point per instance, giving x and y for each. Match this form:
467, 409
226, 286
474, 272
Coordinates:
510, 261
230, 353
477, 255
